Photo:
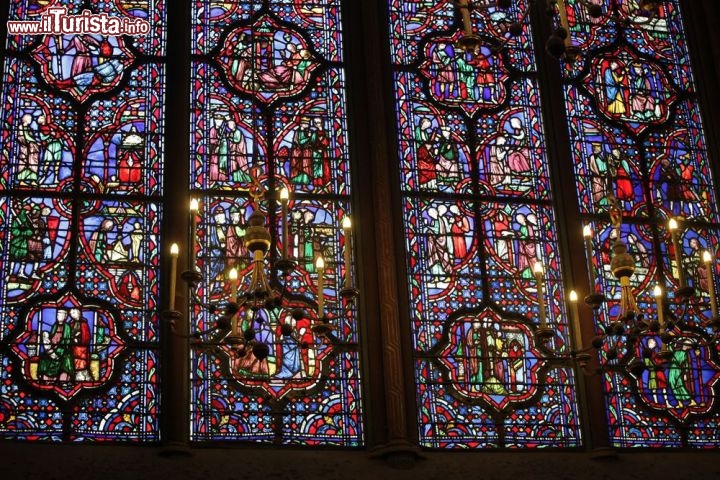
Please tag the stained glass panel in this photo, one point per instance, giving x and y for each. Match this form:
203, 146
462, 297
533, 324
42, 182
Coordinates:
636, 132
270, 111
477, 216
80, 200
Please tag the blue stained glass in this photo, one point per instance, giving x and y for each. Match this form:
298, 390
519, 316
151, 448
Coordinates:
477, 216
636, 132
79, 262
271, 111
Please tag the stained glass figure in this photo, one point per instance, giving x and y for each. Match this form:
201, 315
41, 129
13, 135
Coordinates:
631, 89
68, 346
80, 208
267, 61
471, 80
82, 65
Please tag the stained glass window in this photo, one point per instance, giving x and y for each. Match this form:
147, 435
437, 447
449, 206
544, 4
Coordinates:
80, 176
636, 133
477, 216
269, 111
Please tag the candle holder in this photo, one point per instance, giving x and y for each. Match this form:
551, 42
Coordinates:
349, 292
263, 292
172, 317
595, 300
470, 43
581, 359
285, 266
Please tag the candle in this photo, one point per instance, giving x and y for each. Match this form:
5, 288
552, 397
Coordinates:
174, 252
673, 227
320, 267
564, 23
284, 196
233, 277
194, 207
575, 319
465, 12
707, 259
587, 235
659, 302
347, 230
538, 270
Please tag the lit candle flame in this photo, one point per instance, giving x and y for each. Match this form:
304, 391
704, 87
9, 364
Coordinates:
538, 268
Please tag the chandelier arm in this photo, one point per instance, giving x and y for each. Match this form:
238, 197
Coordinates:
196, 335
254, 280
471, 41
505, 40
266, 284
579, 358
285, 287
197, 301
685, 306
191, 278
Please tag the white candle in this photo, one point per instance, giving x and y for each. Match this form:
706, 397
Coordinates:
194, 207
707, 259
320, 267
587, 235
673, 227
347, 230
284, 196
233, 280
575, 319
657, 291
538, 270
174, 252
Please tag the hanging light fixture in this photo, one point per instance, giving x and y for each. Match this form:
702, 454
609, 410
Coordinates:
619, 335
259, 292
559, 44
